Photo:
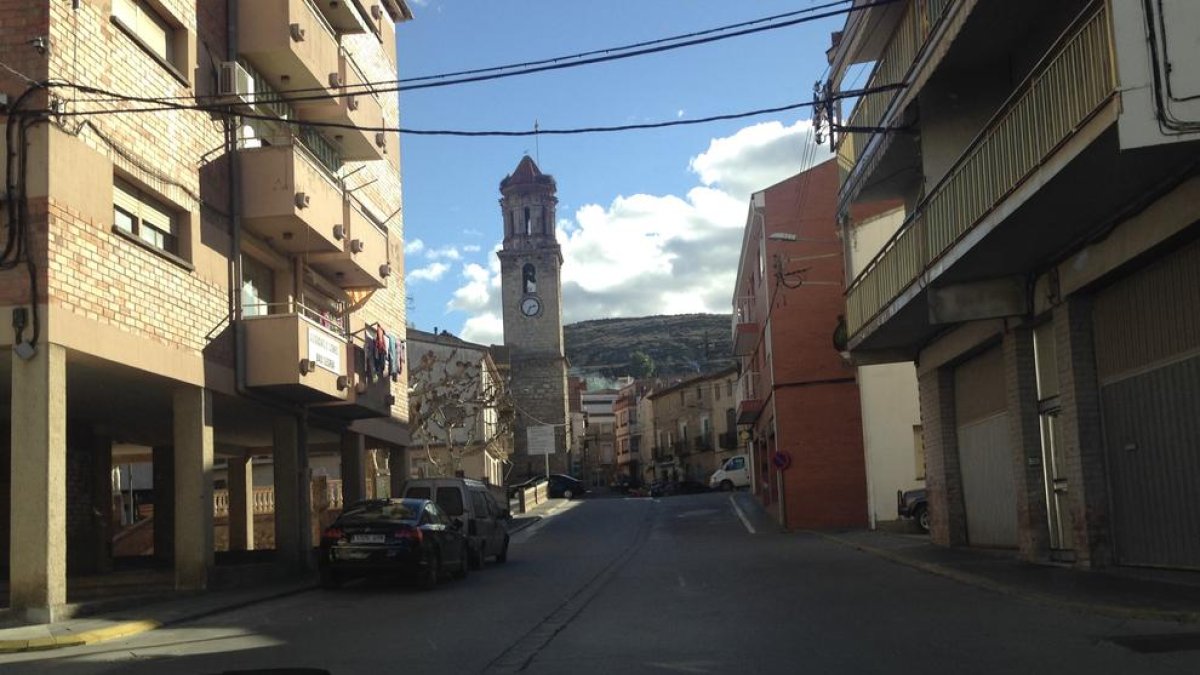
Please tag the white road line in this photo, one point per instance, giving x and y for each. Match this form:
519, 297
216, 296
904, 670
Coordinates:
741, 516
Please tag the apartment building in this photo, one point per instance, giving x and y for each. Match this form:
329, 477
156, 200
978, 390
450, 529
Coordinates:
203, 274
599, 436
693, 426
1045, 279
460, 411
628, 430
798, 399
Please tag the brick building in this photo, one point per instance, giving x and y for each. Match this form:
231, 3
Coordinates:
692, 426
1044, 277
797, 397
202, 285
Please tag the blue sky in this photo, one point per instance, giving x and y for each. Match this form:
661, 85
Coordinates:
650, 221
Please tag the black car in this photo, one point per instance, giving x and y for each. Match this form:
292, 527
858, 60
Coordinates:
913, 504
409, 538
567, 487
513, 490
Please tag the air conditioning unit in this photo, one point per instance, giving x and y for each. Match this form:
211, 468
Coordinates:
235, 85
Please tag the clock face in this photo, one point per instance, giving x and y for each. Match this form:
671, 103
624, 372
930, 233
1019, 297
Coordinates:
531, 306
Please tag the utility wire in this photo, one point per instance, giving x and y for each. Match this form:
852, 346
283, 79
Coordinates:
555, 63
218, 109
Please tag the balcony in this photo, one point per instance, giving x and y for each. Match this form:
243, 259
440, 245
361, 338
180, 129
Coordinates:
680, 448
1050, 144
297, 358
703, 443
289, 200
345, 16
750, 398
745, 329
357, 108
370, 396
362, 261
291, 43
919, 20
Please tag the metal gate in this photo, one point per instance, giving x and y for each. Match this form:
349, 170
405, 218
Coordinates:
984, 453
1147, 337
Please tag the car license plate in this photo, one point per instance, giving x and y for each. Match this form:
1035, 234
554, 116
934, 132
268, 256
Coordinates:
367, 539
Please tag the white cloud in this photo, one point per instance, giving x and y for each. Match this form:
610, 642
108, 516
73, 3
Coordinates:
472, 232
679, 113
431, 272
472, 248
657, 254
445, 252
414, 246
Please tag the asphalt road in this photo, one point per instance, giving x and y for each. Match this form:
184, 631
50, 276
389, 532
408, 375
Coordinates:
676, 585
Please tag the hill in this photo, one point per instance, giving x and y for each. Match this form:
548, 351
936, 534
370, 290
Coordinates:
679, 344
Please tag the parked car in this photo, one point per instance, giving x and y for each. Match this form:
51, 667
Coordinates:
733, 474
913, 504
514, 490
407, 537
472, 504
567, 487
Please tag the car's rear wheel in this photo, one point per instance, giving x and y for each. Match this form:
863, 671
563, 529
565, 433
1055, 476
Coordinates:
726, 485
568, 493
922, 518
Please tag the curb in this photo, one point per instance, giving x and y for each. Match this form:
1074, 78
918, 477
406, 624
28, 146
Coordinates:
1115, 611
134, 627
533, 520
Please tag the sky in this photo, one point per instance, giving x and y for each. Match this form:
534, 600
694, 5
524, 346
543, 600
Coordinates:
650, 222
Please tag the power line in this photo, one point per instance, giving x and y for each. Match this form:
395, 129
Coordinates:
556, 63
224, 110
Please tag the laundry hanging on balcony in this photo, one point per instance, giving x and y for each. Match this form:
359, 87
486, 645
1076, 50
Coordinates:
384, 352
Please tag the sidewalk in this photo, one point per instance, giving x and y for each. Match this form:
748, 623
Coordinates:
139, 619
1123, 592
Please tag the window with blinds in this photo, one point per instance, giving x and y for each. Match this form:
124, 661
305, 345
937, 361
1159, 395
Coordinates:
139, 215
148, 26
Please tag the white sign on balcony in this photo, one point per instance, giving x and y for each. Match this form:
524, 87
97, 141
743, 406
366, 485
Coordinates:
324, 350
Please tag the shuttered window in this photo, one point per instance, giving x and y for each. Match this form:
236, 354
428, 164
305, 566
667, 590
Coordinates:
138, 214
148, 26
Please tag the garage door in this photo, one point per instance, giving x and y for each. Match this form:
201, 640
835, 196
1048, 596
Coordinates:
984, 453
1147, 335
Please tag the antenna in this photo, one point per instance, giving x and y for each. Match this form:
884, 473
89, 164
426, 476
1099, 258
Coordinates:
537, 146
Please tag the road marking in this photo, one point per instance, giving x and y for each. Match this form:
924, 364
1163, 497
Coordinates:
741, 516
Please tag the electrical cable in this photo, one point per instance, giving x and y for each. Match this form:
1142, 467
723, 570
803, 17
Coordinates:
549, 64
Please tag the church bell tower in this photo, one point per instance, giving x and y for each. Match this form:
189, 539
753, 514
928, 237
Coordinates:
531, 289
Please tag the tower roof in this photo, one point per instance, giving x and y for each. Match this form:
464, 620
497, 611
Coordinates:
526, 173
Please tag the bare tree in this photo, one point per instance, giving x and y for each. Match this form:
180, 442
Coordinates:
454, 408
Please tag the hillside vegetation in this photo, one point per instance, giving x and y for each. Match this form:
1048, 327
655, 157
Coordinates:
679, 344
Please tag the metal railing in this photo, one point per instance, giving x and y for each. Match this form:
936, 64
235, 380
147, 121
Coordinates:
903, 48
1072, 82
330, 322
743, 310
748, 386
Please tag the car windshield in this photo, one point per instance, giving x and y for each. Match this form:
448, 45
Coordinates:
383, 510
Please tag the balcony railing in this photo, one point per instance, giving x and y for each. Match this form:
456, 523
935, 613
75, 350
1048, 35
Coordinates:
290, 200
750, 398
353, 106
728, 440
920, 18
297, 357
1071, 83
703, 443
745, 325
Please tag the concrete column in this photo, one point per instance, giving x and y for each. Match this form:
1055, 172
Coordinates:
38, 516
193, 487
398, 468
102, 498
354, 469
1020, 378
1083, 440
943, 477
163, 474
241, 504
293, 517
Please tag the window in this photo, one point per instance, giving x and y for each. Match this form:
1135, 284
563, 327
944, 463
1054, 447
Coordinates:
450, 500
258, 287
479, 503
736, 464
140, 216
151, 31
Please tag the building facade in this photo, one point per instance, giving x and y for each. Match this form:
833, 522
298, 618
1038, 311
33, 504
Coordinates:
216, 279
798, 399
460, 414
1044, 280
531, 293
693, 426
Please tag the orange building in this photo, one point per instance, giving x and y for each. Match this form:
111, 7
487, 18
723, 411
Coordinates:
797, 396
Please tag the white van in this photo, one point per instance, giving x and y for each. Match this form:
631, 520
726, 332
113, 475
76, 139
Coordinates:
471, 503
733, 474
